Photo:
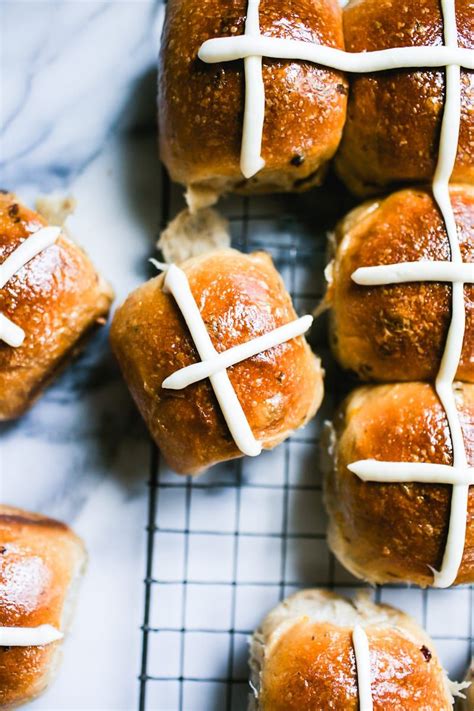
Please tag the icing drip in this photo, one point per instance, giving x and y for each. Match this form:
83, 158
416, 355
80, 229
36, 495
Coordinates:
254, 115
253, 46
459, 475
29, 636
362, 654
12, 334
214, 365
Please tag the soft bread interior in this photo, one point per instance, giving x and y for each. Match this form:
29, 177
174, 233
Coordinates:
192, 234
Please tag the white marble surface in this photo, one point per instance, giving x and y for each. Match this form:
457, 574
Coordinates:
77, 116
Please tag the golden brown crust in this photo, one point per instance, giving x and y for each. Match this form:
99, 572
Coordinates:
398, 332
240, 297
56, 298
310, 665
394, 118
392, 532
313, 668
40, 560
201, 106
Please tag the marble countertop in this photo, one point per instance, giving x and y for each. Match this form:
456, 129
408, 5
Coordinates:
77, 114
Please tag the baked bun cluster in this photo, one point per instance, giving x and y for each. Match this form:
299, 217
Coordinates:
51, 298
399, 492
41, 563
240, 298
273, 121
317, 651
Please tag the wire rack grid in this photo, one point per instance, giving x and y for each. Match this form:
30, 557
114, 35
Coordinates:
224, 548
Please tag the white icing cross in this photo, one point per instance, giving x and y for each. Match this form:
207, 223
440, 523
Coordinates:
214, 365
360, 643
29, 636
12, 334
253, 46
460, 475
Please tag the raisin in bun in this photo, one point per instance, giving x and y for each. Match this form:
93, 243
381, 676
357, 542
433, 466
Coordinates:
41, 563
398, 332
57, 298
396, 532
393, 121
201, 106
240, 297
303, 658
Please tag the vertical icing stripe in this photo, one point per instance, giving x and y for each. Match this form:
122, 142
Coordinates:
251, 161
177, 283
449, 140
364, 681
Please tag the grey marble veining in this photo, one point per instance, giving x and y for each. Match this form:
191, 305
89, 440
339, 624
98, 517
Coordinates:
71, 71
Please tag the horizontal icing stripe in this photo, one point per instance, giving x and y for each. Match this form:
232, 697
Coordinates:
414, 271
198, 371
229, 49
29, 636
421, 472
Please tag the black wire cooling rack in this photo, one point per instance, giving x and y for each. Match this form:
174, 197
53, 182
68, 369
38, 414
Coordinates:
222, 549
